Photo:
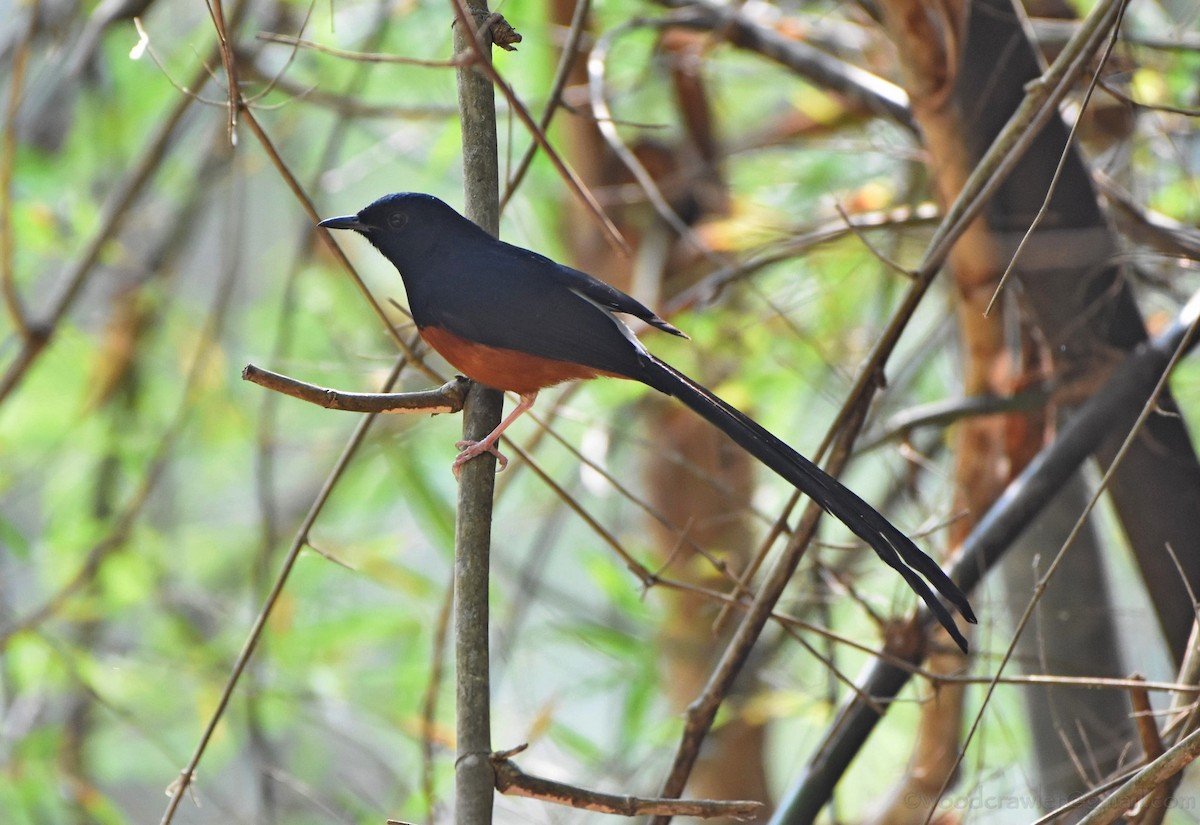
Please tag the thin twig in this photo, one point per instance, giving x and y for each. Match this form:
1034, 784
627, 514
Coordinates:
366, 57
643, 573
576, 184
233, 101
1149, 107
349, 106
1145, 781
1143, 717
942, 414
1023, 128
799, 240
596, 66
566, 61
511, 780
718, 564
877, 254
306, 203
447, 398
1068, 151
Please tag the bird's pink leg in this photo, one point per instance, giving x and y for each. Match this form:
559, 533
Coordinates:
471, 449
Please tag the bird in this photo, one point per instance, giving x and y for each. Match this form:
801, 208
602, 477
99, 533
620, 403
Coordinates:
517, 321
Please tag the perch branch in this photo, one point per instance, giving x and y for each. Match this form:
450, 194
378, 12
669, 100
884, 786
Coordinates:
447, 398
511, 780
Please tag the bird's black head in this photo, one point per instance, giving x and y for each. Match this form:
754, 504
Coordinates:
407, 227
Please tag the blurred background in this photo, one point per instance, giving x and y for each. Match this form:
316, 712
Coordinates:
777, 171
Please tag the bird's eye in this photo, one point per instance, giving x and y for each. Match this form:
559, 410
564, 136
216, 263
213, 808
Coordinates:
396, 220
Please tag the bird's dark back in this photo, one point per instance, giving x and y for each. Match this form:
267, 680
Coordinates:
461, 279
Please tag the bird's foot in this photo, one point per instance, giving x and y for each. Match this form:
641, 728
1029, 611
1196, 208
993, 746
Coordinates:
473, 449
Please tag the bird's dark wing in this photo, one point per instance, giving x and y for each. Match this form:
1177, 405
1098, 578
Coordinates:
518, 300
612, 298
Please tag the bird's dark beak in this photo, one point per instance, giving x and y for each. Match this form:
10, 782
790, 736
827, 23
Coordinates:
344, 222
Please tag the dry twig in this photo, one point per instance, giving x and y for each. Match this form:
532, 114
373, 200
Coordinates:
511, 780
447, 398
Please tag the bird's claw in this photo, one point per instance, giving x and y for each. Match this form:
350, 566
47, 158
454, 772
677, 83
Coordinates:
473, 449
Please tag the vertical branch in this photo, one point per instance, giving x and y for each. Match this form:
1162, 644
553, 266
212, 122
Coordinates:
474, 780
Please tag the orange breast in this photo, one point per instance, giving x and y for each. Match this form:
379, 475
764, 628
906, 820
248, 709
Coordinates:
504, 369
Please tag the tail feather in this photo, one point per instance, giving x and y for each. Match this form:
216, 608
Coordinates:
893, 547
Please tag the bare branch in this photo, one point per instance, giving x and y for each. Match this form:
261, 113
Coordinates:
447, 398
511, 780
365, 57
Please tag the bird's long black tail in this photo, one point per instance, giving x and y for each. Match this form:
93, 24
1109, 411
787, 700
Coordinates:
895, 548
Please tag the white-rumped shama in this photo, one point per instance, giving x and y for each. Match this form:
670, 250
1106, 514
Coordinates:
517, 321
